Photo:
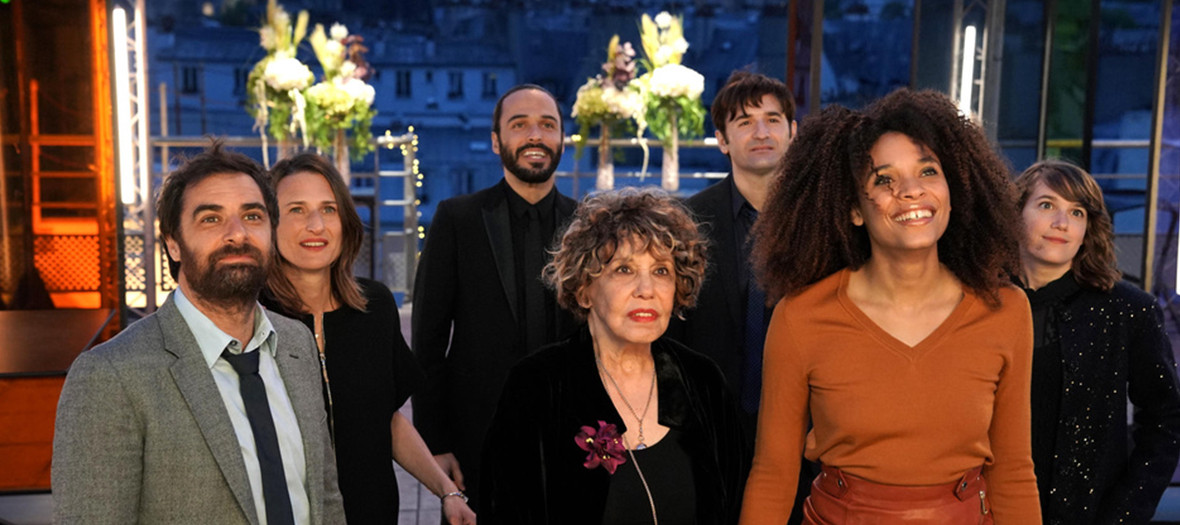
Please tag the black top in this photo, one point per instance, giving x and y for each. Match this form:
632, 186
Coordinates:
743, 221
667, 469
1113, 349
1048, 304
371, 373
534, 470
529, 251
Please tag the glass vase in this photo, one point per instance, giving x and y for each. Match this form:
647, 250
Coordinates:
606, 161
670, 168
340, 156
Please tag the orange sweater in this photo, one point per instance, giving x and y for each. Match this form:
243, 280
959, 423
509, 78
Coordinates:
891, 413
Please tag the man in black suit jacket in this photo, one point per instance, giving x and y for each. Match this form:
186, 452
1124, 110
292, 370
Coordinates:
479, 303
754, 116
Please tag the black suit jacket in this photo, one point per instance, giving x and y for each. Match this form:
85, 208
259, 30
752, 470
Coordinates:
1114, 348
716, 325
464, 328
534, 471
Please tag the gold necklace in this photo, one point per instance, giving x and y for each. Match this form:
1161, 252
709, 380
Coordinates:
650, 391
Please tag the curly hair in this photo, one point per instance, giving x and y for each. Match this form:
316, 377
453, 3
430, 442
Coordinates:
805, 232
344, 285
603, 221
1095, 264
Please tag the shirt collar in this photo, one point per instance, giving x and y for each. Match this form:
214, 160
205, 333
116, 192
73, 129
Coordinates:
737, 200
213, 341
518, 206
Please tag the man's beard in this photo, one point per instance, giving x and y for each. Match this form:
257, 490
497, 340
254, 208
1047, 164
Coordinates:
231, 284
510, 159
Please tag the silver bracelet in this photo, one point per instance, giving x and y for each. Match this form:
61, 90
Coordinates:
449, 494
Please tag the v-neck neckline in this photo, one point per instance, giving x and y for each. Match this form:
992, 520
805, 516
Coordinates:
894, 344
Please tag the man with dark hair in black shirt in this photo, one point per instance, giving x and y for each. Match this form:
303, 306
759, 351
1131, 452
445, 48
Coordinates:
479, 303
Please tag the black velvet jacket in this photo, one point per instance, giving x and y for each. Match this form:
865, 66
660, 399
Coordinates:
532, 468
1114, 348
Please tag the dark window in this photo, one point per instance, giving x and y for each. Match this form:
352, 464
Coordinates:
455, 85
489, 90
188, 79
403, 83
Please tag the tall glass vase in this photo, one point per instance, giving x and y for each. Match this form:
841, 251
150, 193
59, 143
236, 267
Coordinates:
284, 148
670, 168
340, 156
606, 161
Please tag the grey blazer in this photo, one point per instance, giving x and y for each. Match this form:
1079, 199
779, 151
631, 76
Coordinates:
142, 435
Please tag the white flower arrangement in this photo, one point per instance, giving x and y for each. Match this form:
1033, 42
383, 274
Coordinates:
675, 80
284, 74
275, 99
341, 102
600, 103
612, 97
669, 87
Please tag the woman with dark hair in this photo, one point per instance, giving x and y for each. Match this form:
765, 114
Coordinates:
368, 370
1098, 342
618, 424
896, 335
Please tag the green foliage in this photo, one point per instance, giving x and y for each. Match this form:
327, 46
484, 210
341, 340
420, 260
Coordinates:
691, 117
322, 127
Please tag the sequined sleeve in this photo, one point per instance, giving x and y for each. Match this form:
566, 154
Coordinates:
1153, 390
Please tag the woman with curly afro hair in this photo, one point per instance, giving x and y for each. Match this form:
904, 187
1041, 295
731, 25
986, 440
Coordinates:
897, 338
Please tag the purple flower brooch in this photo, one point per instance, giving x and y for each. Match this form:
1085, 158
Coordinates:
604, 445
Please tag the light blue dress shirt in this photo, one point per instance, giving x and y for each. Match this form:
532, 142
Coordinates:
213, 341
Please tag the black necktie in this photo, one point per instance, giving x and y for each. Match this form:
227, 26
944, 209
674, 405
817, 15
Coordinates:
270, 460
536, 325
755, 334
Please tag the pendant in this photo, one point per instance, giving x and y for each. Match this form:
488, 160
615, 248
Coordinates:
640, 446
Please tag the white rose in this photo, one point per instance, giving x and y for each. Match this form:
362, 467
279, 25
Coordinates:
675, 80
680, 46
347, 69
663, 20
285, 74
359, 90
338, 32
623, 103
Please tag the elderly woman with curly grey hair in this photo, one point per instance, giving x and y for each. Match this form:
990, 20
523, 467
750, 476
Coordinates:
618, 424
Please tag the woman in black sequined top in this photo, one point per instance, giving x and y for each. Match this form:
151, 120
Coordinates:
1098, 342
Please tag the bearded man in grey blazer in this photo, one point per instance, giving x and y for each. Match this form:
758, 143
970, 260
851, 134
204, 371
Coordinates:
163, 424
